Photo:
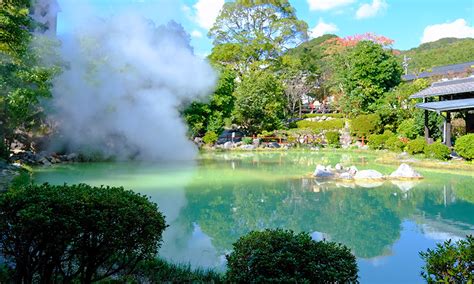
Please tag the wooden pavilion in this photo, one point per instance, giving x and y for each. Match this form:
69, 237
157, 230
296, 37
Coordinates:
448, 96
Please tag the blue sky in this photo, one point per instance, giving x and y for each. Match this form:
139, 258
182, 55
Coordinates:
408, 22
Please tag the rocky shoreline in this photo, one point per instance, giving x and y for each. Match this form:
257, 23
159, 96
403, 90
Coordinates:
44, 158
403, 172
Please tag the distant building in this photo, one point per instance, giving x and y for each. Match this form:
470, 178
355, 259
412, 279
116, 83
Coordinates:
45, 12
447, 71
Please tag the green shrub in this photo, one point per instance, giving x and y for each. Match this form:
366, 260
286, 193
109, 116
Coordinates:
333, 115
364, 125
437, 150
210, 137
88, 230
247, 140
408, 128
465, 146
332, 138
319, 126
416, 146
394, 144
377, 141
282, 256
450, 263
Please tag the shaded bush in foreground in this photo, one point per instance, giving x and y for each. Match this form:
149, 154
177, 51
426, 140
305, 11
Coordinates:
76, 233
450, 263
282, 256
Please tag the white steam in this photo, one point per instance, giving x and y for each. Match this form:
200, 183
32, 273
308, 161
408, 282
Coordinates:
123, 85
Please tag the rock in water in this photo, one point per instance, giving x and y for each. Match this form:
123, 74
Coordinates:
368, 174
322, 172
228, 145
404, 171
248, 147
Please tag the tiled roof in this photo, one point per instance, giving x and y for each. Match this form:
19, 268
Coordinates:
448, 105
442, 88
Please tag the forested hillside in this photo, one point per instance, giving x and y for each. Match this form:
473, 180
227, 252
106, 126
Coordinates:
445, 51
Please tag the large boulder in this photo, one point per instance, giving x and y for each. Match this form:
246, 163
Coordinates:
368, 175
322, 172
248, 147
228, 145
404, 171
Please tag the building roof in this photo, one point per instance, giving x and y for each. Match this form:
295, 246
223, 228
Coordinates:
451, 105
442, 70
442, 88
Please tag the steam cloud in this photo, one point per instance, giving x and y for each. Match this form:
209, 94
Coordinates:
124, 83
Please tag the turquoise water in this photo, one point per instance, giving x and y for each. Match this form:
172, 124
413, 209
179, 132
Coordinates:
212, 201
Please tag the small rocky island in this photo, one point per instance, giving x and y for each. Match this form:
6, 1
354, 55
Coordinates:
404, 172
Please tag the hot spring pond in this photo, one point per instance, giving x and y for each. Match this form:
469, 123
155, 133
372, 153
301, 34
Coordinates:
212, 201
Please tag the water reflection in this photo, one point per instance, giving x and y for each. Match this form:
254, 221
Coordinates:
210, 204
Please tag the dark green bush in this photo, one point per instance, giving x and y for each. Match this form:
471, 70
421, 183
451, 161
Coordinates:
416, 146
450, 263
94, 232
210, 137
465, 146
377, 141
364, 125
394, 144
319, 126
332, 138
282, 256
437, 150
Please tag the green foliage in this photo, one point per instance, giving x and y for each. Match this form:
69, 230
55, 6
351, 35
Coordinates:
244, 35
416, 146
333, 115
427, 55
160, 271
435, 121
332, 138
364, 125
260, 103
211, 116
282, 256
437, 150
394, 144
377, 141
408, 128
247, 140
450, 262
319, 126
22, 81
210, 137
366, 72
77, 232
465, 146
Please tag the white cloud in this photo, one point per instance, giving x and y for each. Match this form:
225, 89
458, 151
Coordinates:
205, 12
196, 34
323, 28
324, 5
371, 10
459, 29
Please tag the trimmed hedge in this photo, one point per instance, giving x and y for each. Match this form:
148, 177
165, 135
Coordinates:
377, 141
319, 126
332, 138
437, 150
416, 146
464, 146
394, 144
284, 257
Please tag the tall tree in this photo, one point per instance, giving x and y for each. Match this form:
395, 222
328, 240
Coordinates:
249, 31
364, 73
260, 102
22, 80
